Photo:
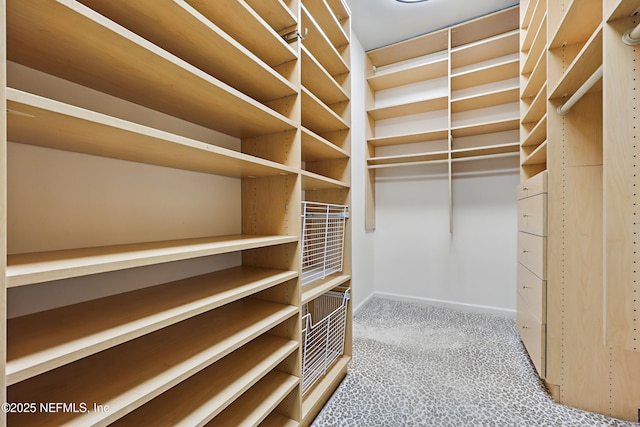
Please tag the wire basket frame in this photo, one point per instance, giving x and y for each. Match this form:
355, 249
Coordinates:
324, 326
323, 228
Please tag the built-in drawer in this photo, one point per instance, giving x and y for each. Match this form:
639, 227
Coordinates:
533, 336
533, 186
533, 291
532, 214
532, 253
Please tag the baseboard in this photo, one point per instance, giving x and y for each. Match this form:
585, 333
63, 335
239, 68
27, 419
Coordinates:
363, 303
473, 308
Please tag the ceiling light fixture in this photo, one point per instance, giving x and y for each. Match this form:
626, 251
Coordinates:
411, 1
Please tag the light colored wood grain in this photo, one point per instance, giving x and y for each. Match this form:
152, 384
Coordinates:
329, 23
408, 49
625, 384
154, 364
385, 79
487, 99
538, 107
583, 66
485, 49
405, 109
316, 397
622, 9
315, 148
3, 207
25, 269
44, 341
485, 128
533, 291
408, 158
44, 122
536, 79
538, 134
532, 333
485, 150
234, 17
532, 253
318, 81
580, 20
538, 156
532, 186
276, 13
485, 75
70, 41
181, 30
313, 181
258, 402
313, 290
320, 46
526, 12
277, 420
340, 9
436, 135
533, 26
216, 387
532, 215
485, 26
317, 117
538, 47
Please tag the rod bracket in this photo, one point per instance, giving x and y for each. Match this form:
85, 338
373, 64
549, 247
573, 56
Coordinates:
296, 35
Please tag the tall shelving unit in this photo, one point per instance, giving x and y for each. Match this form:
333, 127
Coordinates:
575, 282
225, 94
444, 97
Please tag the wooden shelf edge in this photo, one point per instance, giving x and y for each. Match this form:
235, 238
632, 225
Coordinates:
623, 9
486, 128
26, 269
415, 107
313, 142
110, 326
313, 181
435, 135
382, 161
313, 290
578, 15
320, 393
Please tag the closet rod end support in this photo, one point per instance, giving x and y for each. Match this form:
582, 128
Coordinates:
562, 112
630, 40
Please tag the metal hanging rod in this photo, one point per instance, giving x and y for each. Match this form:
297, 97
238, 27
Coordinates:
632, 36
591, 81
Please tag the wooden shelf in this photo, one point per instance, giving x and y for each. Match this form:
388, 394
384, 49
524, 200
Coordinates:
71, 41
419, 46
320, 46
317, 117
234, 17
385, 79
623, 9
485, 75
40, 121
578, 23
315, 147
277, 420
313, 181
538, 156
26, 269
184, 32
536, 79
435, 135
538, 48
537, 108
317, 288
340, 9
257, 403
487, 150
416, 107
324, 17
46, 340
401, 160
483, 100
320, 393
131, 374
583, 66
485, 128
484, 50
536, 23
276, 13
319, 82
215, 388
528, 13
538, 134
485, 27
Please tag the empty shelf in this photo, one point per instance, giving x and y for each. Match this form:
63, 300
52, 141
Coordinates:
315, 147
320, 46
385, 79
434, 135
318, 117
314, 289
485, 128
275, 13
313, 181
408, 49
325, 18
319, 81
416, 107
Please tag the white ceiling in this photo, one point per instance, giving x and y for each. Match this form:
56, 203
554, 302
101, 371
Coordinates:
378, 23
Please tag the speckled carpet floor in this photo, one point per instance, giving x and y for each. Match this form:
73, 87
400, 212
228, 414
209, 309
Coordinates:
416, 365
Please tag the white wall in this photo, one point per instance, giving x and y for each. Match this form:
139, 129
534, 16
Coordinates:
362, 241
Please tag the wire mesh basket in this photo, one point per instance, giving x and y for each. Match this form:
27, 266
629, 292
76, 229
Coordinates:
323, 333
323, 227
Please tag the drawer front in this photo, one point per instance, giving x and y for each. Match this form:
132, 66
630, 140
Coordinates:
533, 186
533, 291
532, 253
532, 215
533, 336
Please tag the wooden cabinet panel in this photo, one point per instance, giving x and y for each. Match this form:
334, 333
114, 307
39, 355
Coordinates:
532, 253
533, 186
533, 290
533, 335
532, 215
